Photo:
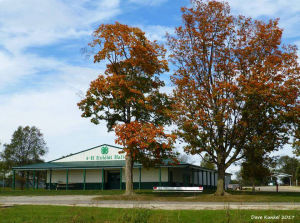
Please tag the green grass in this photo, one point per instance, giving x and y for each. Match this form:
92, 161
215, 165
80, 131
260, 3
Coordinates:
149, 195
57, 214
43, 192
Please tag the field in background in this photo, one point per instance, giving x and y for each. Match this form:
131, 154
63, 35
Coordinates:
59, 214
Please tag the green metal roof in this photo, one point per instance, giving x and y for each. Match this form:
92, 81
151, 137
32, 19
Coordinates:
73, 165
80, 165
94, 165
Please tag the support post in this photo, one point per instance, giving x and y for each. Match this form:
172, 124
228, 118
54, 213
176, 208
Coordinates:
198, 178
27, 180
37, 180
140, 177
207, 178
102, 185
50, 179
202, 178
120, 178
193, 177
169, 181
67, 179
84, 178
214, 179
159, 176
33, 178
14, 180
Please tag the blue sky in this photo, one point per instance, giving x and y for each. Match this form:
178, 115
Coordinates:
43, 73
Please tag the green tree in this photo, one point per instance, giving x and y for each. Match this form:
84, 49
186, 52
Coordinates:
288, 165
297, 175
2, 172
255, 167
27, 146
128, 96
296, 142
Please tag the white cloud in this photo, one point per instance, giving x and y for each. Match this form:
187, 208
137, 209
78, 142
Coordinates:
34, 22
287, 11
53, 109
17, 67
257, 8
156, 32
148, 2
29, 23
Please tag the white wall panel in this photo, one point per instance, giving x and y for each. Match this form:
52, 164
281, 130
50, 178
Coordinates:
152, 175
93, 176
101, 153
75, 176
216, 179
58, 176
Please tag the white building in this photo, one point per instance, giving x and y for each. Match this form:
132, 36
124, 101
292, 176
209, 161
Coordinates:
102, 167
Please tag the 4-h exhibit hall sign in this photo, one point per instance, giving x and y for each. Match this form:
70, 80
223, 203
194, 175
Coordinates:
102, 167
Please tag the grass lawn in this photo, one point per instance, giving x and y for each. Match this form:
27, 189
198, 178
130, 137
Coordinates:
148, 195
43, 192
57, 214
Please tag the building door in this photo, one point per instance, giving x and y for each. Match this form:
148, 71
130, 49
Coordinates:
171, 178
113, 180
186, 180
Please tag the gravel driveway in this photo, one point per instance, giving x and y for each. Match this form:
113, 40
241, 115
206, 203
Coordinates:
84, 200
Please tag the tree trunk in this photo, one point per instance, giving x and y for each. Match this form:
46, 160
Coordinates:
128, 174
221, 181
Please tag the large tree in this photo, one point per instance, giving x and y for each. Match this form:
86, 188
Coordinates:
235, 83
27, 146
127, 96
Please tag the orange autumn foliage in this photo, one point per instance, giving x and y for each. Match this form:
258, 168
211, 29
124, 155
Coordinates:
146, 142
235, 83
128, 94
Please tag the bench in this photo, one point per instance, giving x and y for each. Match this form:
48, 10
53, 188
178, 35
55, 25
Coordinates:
178, 189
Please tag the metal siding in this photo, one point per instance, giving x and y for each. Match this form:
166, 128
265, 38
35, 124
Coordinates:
200, 177
81, 156
216, 179
152, 175
93, 176
58, 176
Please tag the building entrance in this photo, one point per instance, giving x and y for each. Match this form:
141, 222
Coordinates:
113, 180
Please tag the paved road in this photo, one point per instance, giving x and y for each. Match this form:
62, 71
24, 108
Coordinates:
71, 200
280, 188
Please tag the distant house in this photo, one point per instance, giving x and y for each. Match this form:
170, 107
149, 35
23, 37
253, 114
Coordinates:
278, 178
102, 167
